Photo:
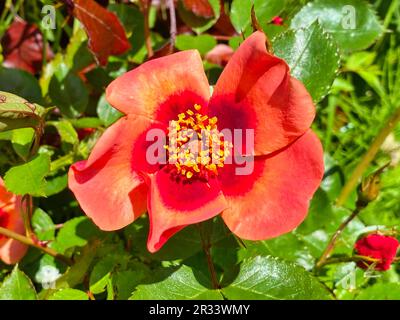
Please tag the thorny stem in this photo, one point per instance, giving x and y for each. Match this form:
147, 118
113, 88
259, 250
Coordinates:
27, 204
172, 16
27, 201
368, 157
332, 242
30, 242
205, 240
147, 35
354, 258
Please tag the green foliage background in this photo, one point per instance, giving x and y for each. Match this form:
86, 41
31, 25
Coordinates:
352, 75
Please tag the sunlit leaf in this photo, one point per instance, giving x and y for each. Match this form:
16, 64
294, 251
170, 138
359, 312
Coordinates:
17, 286
106, 34
29, 178
312, 56
269, 278
353, 23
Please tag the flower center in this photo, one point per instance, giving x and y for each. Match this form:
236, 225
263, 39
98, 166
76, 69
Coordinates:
195, 146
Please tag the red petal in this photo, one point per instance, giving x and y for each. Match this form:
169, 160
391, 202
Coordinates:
175, 203
11, 251
274, 198
162, 88
106, 33
107, 186
255, 91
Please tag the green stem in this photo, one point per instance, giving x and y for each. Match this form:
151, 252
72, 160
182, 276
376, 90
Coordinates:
61, 162
30, 242
368, 157
205, 240
355, 258
332, 242
27, 205
386, 22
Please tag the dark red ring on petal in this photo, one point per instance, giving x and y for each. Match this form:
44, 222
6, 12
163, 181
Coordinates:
178, 103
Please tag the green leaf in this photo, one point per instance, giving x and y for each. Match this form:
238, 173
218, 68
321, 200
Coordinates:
56, 184
288, 246
77, 272
75, 233
76, 58
29, 178
69, 294
102, 272
265, 11
362, 63
21, 83
127, 280
312, 56
43, 225
16, 112
22, 141
86, 122
106, 112
69, 94
381, 291
65, 130
17, 286
270, 278
133, 20
180, 284
353, 23
130, 16
204, 43
241, 14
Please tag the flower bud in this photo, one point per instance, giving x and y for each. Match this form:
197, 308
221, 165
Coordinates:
369, 189
278, 21
376, 246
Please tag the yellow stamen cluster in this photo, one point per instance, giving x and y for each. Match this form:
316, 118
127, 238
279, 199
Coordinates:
196, 147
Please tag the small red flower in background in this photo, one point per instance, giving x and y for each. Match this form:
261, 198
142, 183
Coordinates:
278, 21
255, 92
11, 251
23, 47
220, 54
85, 132
377, 246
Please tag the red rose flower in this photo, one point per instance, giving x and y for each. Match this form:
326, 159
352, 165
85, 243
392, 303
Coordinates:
11, 251
255, 94
377, 246
278, 21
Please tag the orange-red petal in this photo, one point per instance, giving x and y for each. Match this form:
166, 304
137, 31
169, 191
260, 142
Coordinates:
274, 199
255, 91
175, 203
162, 88
107, 185
11, 251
